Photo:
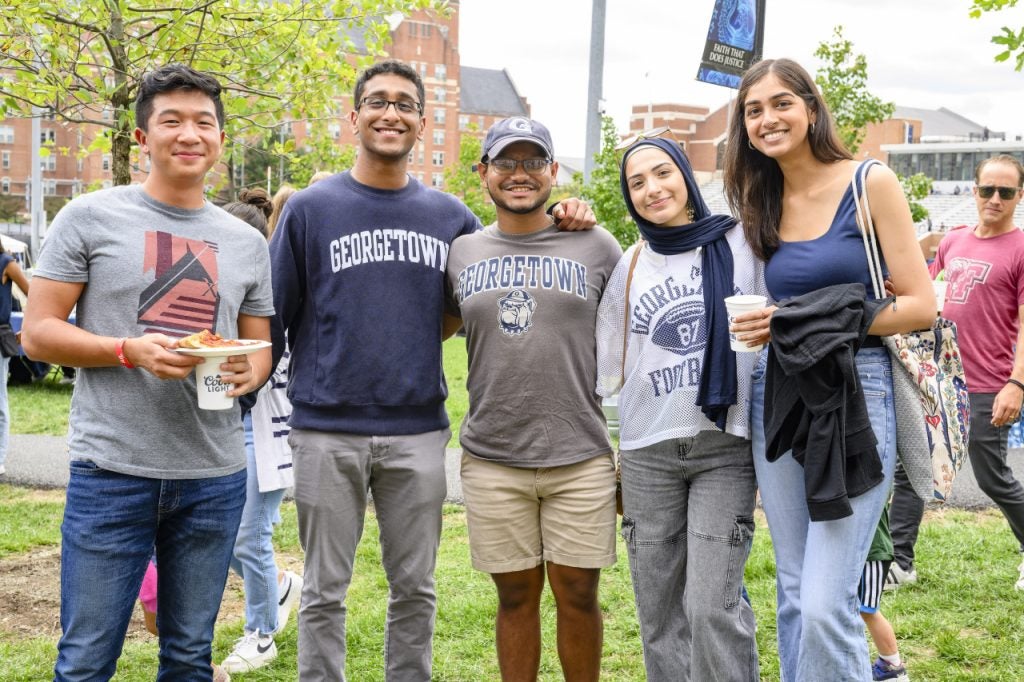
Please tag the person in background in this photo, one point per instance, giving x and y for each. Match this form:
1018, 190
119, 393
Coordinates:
888, 665
984, 271
358, 263
318, 176
148, 468
281, 196
688, 485
10, 274
270, 594
788, 177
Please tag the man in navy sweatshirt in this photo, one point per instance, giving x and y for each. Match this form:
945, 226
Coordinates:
358, 266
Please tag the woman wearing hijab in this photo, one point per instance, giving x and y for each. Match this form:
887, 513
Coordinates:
687, 470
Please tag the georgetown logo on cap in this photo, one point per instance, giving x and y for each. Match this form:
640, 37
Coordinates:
516, 129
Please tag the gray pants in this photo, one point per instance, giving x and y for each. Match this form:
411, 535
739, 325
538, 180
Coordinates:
988, 460
688, 506
905, 513
333, 474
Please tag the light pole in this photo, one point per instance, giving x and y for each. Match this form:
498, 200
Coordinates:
593, 142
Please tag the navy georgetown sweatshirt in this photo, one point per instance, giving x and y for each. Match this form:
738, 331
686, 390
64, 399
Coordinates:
359, 287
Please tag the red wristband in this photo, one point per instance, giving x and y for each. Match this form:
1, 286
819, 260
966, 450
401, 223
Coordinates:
121, 357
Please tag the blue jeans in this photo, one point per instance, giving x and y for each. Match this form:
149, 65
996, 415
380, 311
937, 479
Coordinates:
254, 549
688, 523
818, 564
111, 523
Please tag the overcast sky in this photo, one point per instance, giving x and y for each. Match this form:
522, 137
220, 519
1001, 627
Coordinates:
920, 53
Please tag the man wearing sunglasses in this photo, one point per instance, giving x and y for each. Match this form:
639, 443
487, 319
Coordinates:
358, 266
984, 267
537, 471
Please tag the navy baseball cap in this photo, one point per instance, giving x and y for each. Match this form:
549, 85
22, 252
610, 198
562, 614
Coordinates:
516, 129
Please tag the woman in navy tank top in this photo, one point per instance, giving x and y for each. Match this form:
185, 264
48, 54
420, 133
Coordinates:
788, 176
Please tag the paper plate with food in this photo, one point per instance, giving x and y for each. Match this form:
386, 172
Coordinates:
207, 344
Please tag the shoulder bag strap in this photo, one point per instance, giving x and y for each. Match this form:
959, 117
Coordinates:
867, 225
625, 315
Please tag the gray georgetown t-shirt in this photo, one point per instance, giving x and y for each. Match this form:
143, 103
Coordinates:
150, 267
529, 307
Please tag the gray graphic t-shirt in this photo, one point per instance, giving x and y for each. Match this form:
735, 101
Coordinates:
529, 305
149, 267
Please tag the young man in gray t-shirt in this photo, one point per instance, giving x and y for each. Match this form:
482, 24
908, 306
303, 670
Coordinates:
145, 265
537, 468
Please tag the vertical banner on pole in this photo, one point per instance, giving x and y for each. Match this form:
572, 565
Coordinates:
735, 41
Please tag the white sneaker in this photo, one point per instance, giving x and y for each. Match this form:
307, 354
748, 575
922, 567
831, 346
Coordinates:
252, 651
1019, 585
288, 592
897, 576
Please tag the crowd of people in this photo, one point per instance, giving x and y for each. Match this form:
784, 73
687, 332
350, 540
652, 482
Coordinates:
367, 271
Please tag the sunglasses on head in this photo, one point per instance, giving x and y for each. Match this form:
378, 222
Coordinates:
1005, 193
663, 132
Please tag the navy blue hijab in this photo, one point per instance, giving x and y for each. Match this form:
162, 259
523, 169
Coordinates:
717, 392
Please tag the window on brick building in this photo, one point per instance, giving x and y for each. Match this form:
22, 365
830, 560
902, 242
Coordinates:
463, 122
48, 136
439, 115
106, 162
437, 180
437, 158
7, 134
6, 162
439, 137
439, 94
5, 185
426, 30
412, 28
440, 72
48, 163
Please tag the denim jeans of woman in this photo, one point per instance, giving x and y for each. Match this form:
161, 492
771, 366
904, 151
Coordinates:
687, 520
818, 564
254, 548
111, 523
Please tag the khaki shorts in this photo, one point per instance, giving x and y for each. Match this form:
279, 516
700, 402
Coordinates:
520, 518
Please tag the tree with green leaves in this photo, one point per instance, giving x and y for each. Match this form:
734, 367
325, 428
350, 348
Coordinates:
603, 192
1011, 39
915, 188
843, 81
282, 60
463, 181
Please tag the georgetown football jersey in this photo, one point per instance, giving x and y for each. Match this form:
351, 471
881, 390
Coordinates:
665, 349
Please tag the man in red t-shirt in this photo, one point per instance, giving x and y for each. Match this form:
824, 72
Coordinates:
984, 268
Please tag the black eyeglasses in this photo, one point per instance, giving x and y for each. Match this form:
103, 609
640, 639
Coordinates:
402, 106
1005, 193
506, 166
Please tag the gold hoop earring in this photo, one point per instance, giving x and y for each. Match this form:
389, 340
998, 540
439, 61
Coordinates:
812, 128
689, 211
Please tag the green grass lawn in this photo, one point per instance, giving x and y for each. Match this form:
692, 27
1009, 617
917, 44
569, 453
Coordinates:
960, 622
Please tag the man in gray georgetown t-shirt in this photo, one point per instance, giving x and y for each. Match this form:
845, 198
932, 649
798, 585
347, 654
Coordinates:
150, 471
537, 470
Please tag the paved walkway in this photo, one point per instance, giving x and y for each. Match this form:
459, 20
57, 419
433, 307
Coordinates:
41, 461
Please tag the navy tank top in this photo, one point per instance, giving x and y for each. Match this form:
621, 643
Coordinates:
836, 257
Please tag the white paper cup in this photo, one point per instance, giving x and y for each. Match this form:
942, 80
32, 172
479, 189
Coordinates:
212, 392
736, 306
940, 293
